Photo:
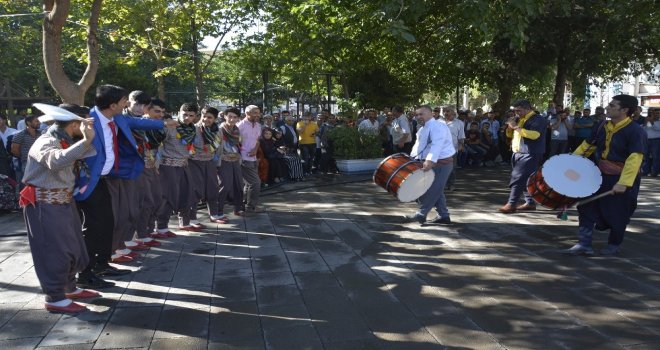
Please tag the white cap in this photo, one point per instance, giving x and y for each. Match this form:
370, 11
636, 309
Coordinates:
54, 113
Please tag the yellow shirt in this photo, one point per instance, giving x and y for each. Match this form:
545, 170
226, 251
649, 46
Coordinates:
520, 133
308, 131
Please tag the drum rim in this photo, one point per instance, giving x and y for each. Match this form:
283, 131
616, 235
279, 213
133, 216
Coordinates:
425, 173
575, 156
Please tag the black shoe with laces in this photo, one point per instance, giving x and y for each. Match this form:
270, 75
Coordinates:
414, 217
108, 270
440, 221
92, 281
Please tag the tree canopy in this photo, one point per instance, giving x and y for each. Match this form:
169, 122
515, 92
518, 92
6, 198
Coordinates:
378, 53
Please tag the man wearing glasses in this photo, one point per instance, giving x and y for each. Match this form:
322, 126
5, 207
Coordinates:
620, 144
527, 132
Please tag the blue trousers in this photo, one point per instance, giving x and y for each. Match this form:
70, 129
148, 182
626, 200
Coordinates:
613, 212
523, 165
435, 195
652, 157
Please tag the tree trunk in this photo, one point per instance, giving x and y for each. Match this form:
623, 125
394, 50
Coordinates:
562, 68
197, 67
504, 95
160, 79
53, 24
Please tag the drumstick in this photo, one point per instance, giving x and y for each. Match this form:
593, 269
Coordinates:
563, 215
591, 199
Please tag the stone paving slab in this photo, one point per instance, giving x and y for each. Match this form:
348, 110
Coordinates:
331, 265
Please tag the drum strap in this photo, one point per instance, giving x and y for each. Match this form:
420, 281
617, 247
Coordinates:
594, 139
428, 143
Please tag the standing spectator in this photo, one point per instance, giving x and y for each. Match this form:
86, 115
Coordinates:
505, 142
413, 127
559, 127
582, 126
5, 131
652, 127
327, 152
307, 130
637, 116
401, 134
250, 132
385, 136
370, 124
457, 132
22, 142
276, 166
599, 116
528, 145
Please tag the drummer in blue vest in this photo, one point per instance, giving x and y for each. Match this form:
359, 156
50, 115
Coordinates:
619, 144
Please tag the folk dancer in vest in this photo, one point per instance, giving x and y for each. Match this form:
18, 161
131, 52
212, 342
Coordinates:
53, 225
129, 193
229, 165
177, 150
620, 145
202, 168
527, 131
146, 230
435, 148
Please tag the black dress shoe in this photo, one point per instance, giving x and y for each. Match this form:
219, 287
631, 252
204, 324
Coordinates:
108, 270
439, 221
92, 281
414, 217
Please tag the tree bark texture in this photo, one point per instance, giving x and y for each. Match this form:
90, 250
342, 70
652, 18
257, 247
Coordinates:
69, 91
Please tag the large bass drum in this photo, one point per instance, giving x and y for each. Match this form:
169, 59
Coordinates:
563, 180
403, 177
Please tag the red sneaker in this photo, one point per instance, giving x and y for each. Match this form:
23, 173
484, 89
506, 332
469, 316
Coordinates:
152, 243
138, 248
122, 259
158, 235
189, 228
133, 255
169, 234
223, 220
73, 308
85, 294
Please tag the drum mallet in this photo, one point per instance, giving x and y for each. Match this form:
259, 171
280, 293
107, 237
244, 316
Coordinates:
564, 216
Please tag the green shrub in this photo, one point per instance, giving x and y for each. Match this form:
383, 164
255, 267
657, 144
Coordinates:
348, 143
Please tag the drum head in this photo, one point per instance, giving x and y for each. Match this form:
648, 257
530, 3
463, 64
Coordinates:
415, 185
572, 175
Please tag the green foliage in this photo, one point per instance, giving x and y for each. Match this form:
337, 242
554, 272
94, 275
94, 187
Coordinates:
348, 143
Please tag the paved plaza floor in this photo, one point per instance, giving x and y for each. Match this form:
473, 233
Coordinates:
331, 265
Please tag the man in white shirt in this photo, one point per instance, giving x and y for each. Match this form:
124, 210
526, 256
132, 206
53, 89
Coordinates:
435, 148
370, 124
5, 131
401, 133
457, 130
